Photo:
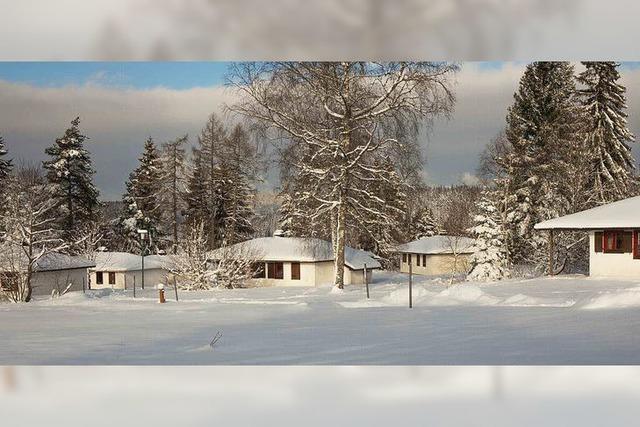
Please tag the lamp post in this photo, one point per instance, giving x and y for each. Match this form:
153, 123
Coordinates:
143, 235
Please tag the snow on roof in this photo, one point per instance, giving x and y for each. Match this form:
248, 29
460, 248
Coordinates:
438, 245
299, 249
621, 214
124, 261
49, 262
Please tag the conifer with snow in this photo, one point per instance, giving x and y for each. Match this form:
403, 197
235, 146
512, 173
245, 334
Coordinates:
6, 165
142, 201
172, 191
70, 172
489, 259
424, 224
606, 132
543, 128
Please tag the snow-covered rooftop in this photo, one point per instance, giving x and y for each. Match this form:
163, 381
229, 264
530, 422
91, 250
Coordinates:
438, 245
49, 262
124, 261
621, 214
300, 250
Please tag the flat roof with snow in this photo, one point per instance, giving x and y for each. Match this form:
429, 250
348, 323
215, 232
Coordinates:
298, 249
438, 245
620, 214
52, 261
124, 261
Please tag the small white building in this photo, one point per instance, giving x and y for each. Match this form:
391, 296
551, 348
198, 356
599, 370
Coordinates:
121, 270
614, 243
53, 271
436, 255
294, 261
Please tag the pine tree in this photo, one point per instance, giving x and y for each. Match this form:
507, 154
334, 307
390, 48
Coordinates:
209, 145
424, 224
173, 187
6, 165
71, 173
489, 260
141, 200
196, 196
237, 168
543, 126
607, 134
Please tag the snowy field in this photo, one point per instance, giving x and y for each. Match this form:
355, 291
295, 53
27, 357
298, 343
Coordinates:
321, 396
561, 320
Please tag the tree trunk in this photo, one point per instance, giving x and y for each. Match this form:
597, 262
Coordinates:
340, 242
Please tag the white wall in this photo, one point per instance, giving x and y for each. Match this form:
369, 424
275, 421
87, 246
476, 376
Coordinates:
312, 274
603, 264
44, 282
437, 264
152, 277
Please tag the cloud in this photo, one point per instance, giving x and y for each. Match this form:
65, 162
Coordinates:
469, 179
117, 120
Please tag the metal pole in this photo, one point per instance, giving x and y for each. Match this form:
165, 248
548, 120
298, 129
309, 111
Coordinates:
175, 286
366, 280
84, 285
134, 285
551, 249
143, 248
410, 282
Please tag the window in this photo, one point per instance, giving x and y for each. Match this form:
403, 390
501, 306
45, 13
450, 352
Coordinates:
295, 271
418, 259
112, 278
409, 258
275, 270
636, 244
404, 258
613, 241
99, 278
424, 260
258, 270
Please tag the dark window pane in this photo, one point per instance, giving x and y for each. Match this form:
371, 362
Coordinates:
99, 278
295, 271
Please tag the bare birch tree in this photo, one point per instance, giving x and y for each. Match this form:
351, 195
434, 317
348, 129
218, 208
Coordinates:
342, 113
31, 232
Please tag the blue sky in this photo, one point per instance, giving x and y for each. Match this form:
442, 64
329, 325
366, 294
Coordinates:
144, 75
118, 112
140, 75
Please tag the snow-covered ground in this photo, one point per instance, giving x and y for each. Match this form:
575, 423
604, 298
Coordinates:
561, 320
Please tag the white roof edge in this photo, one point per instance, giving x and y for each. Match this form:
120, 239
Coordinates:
615, 215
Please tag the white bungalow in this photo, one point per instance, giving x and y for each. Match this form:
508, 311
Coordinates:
293, 261
436, 255
53, 271
121, 270
614, 243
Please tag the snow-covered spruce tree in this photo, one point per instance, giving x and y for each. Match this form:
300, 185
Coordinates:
543, 127
191, 262
237, 167
6, 166
424, 224
606, 132
142, 203
70, 172
197, 209
489, 259
172, 191
341, 112
208, 149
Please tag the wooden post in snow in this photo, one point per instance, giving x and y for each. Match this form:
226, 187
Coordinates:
410, 282
366, 280
134, 285
551, 250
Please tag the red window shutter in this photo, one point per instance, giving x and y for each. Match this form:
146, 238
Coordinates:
598, 241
